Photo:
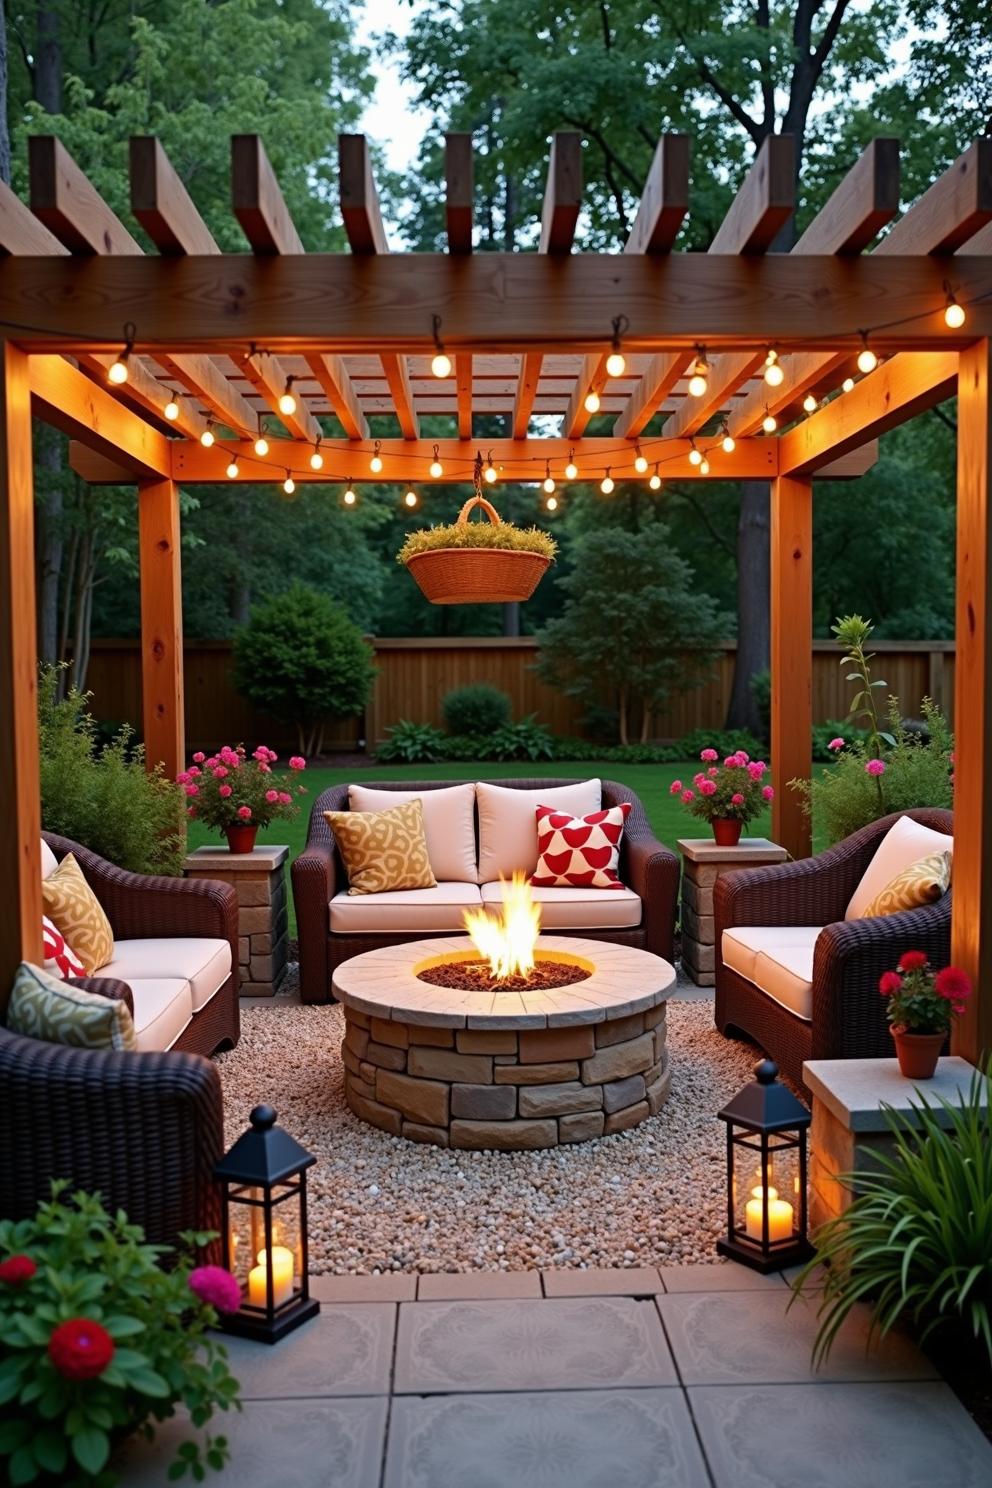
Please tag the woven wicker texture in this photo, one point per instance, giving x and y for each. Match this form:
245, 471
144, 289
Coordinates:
477, 575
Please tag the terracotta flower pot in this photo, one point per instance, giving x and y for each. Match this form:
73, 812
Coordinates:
726, 830
241, 839
917, 1053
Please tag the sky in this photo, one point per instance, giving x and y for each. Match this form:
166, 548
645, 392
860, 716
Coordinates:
391, 119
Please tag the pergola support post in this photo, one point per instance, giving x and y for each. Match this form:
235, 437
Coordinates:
971, 926
791, 656
161, 625
20, 840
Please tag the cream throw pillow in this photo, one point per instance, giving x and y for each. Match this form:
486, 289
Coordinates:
905, 843
921, 883
449, 825
43, 1007
78, 915
383, 850
508, 822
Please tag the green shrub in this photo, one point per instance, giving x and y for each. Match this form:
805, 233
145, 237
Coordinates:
412, 744
302, 660
465, 747
724, 741
103, 796
476, 709
524, 740
916, 1241
825, 733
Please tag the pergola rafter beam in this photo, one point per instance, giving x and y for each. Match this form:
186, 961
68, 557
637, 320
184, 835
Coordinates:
360, 209
161, 203
257, 200
458, 192
332, 375
527, 380
82, 409
664, 199
562, 194
765, 200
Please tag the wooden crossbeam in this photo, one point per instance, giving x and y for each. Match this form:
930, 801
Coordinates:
591, 379
257, 201
398, 378
332, 375
859, 206
463, 380
894, 392
268, 377
765, 200
72, 402
662, 373
562, 194
458, 197
21, 231
161, 203
527, 380
664, 200
360, 207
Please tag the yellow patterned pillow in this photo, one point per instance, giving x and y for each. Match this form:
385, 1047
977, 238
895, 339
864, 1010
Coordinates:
921, 883
44, 1007
78, 914
383, 849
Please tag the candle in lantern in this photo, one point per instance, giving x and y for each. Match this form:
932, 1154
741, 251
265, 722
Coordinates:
282, 1277
779, 1216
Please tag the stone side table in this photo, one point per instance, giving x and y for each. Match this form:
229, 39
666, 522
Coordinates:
849, 1130
259, 881
703, 861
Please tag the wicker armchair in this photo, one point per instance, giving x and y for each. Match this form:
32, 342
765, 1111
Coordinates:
848, 1016
646, 866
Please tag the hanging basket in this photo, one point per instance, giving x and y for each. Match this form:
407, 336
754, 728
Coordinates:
477, 575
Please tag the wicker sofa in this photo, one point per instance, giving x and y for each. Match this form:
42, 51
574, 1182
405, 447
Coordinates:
846, 1016
647, 868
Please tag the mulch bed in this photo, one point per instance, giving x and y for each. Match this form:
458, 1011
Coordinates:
475, 976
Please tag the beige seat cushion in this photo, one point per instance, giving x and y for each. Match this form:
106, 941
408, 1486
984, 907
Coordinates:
508, 822
579, 909
904, 843
416, 910
778, 959
449, 824
204, 963
742, 944
163, 1007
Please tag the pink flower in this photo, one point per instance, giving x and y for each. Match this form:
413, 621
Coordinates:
875, 767
687, 796
183, 778
708, 754
731, 762
272, 796
245, 813
737, 799
191, 789
265, 768
768, 791
889, 983
284, 798
675, 789
229, 757
195, 770
713, 770
220, 771
699, 777
216, 1287
297, 762
199, 757
743, 756
836, 744
190, 810
707, 788
224, 790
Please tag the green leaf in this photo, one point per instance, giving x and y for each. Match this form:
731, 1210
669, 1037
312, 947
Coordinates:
123, 1327
22, 1467
12, 1435
148, 1382
91, 1449
51, 1451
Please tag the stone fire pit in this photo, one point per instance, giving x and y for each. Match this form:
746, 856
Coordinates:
505, 1070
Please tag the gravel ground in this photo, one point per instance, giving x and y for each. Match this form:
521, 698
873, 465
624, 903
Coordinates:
654, 1195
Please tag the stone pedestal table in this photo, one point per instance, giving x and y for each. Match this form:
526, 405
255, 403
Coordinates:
259, 881
703, 862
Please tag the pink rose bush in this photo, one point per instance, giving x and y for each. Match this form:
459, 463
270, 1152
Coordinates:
735, 789
232, 788
921, 1000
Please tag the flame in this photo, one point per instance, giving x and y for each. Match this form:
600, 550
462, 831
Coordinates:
507, 941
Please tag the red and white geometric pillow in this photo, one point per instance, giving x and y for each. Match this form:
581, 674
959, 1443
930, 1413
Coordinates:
579, 852
60, 959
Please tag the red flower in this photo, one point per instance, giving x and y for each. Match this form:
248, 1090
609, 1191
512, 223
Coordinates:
80, 1349
17, 1269
912, 961
889, 983
216, 1286
953, 984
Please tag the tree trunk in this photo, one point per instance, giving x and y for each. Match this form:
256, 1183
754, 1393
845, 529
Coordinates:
511, 618
50, 541
4, 127
622, 715
753, 625
48, 60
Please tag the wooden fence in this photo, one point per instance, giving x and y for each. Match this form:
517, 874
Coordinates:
414, 675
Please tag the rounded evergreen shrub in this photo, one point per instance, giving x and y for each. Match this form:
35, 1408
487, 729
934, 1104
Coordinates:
477, 709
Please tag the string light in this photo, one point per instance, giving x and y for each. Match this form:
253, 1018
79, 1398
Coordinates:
954, 313
700, 374
867, 360
655, 481
607, 484
695, 458
207, 437
349, 496
287, 398
489, 473
316, 459
847, 385
640, 463
591, 401
774, 374
549, 481
375, 464
171, 409
440, 362
437, 469
289, 485
728, 442
551, 503
411, 499
704, 466
571, 469
809, 403
117, 372
769, 423
233, 469
261, 443
616, 362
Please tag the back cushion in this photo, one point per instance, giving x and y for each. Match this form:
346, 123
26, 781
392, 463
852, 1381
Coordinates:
449, 824
903, 844
508, 822
49, 862
44, 1007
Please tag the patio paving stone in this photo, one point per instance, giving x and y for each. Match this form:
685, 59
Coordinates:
840, 1436
345, 1350
729, 1278
566, 1343
633, 1281
731, 1338
396, 1286
638, 1438
478, 1286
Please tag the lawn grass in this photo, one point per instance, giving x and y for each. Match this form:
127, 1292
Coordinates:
650, 782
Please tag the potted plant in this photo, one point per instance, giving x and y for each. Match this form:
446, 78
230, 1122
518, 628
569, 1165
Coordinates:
98, 1341
922, 1004
238, 795
491, 562
728, 795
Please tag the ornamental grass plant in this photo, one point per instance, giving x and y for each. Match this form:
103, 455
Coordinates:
478, 535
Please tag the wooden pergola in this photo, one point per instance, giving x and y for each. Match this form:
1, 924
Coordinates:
220, 348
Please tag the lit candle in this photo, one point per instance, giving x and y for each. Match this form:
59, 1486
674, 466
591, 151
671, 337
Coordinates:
282, 1277
779, 1216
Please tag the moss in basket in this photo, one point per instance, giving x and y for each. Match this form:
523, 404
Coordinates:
478, 535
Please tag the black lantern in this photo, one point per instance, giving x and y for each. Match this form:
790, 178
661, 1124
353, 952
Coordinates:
766, 1174
264, 1229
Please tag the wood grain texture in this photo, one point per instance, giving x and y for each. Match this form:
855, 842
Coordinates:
765, 200
664, 199
81, 408
398, 378
860, 205
258, 201
161, 203
21, 231
463, 380
562, 194
267, 376
527, 381
360, 209
458, 192
791, 657
161, 626
663, 372
331, 373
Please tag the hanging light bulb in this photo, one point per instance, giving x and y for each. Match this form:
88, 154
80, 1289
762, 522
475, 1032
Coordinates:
954, 314
171, 409
616, 362
440, 362
809, 403
769, 423
489, 473
867, 360
261, 443
289, 485
287, 398
607, 484
571, 469
316, 459
233, 469
695, 458
728, 443
704, 466
349, 496
437, 469
410, 499
117, 372
207, 436
847, 385
551, 503
375, 464
699, 377
591, 401
640, 463
655, 481
549, 480
774, 375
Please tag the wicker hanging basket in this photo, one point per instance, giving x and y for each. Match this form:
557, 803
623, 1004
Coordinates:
477, 575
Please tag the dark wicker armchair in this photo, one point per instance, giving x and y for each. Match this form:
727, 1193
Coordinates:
848, 1016
646, 866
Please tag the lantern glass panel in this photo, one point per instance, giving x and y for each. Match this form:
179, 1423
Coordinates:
768, 1166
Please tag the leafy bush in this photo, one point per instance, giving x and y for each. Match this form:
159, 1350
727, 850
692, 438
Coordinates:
476, 709
79, 1289
478, 535
412, 744
825, 733
760, 685
724, 741
302, 661
466, 747
915, 1243
523, 740
104, 797
230, 790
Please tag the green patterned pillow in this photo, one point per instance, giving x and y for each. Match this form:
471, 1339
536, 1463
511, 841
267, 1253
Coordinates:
44, 1007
